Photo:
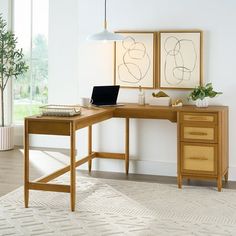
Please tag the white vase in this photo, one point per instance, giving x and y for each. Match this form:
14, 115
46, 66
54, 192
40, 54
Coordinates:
202, 103
6, 138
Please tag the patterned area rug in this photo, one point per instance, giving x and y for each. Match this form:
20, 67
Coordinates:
113, 207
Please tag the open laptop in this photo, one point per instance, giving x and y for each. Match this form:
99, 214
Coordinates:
105, 95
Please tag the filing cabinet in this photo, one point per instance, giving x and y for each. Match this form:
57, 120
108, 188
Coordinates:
203, 145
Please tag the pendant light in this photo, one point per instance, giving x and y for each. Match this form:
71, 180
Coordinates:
105, 35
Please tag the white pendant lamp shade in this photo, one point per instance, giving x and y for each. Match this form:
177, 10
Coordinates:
105, 35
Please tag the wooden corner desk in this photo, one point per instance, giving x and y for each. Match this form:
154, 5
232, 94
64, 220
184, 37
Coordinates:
202, 142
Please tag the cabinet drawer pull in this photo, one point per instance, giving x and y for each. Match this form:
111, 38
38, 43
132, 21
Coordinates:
197, 118
198, 158
198, 133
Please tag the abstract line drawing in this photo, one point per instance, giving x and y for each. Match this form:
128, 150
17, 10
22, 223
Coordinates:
134, 60
180, 60
134, 53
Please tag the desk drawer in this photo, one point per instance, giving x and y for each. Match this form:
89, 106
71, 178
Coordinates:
198, 134
199, 158
198, 117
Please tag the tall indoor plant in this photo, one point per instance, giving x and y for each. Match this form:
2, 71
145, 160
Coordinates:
12, 64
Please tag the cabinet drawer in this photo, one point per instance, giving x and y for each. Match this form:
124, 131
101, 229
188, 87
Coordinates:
197, 133
199, 158
198, 117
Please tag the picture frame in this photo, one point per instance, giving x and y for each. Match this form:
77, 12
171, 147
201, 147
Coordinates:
180, 59
135, 60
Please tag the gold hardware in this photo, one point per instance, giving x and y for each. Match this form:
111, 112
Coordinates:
198, 158
197, 117
198, 133
105, 24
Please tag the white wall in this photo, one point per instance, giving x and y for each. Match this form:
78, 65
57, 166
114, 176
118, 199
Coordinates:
63, 45
76, 65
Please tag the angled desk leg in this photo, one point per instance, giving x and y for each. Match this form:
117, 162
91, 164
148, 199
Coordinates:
90, 147
72, 166
26, 164
127, 145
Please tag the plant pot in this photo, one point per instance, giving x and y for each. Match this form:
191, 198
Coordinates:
202, 103
6, 138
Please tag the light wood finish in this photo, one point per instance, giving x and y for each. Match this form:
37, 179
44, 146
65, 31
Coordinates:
72, 166
196, 133
63, 170
179, 175
203, 144
109, 155
199, 117
127, 145
213, 117
50, 187
199, 157
90, 147
51, 125
146, 112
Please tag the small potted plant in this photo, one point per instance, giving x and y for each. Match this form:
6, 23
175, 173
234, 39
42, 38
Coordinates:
201, 94
12, 64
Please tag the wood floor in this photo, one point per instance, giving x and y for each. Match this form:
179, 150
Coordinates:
44, 162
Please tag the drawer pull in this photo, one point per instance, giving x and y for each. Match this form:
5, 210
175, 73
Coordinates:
198, 133
197, 118
198, 158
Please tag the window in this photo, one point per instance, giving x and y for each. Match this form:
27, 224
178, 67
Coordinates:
30, 26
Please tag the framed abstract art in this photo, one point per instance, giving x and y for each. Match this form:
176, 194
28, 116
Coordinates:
135, 60
180, 59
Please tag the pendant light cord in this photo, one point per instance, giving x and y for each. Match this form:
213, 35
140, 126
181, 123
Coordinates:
105, 19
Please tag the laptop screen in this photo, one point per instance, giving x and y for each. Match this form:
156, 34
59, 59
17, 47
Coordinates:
105, 95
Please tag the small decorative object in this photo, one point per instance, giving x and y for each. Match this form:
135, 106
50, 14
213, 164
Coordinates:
159, 99
180, 57
159, 94
12, 65
141, 96
60, 110
201, 94
86, 102
177, 103
135, 60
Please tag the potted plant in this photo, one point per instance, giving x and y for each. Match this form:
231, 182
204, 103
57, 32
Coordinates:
201, 94
12, 64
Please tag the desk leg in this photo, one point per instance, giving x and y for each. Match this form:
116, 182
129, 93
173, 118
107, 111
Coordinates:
219, 183
127, 145
26, 164
180, 181
72, 167
90, 147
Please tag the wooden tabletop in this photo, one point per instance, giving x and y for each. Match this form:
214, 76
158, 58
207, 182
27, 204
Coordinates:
130, 110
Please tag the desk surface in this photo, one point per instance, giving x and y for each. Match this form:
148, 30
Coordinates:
160, 112
128, 110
